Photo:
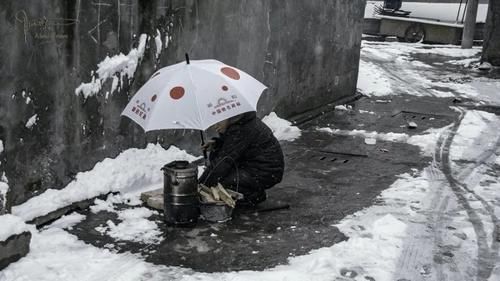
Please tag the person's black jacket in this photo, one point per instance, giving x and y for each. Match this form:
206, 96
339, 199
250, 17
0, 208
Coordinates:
249, 145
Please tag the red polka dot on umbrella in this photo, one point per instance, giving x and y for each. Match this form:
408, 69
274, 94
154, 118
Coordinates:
230, 72
177, 92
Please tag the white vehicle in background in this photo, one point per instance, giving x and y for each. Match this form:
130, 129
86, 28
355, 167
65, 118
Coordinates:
421, 21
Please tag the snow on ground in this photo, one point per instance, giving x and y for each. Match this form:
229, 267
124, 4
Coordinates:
380, 237
426, 141
57, 255
371, 251
32, 121
397, 68
282, 129
11, 225
478, 131
133, 169
439, 11
125, 65
135, 224
371, 80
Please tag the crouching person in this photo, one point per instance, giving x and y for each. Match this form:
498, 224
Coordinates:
246, 157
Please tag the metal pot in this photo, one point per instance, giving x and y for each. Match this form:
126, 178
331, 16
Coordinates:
180, 193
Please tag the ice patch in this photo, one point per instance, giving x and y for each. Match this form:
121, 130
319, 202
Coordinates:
32, 121
132, 170
282, 129
11, 225
125, 65
372, 81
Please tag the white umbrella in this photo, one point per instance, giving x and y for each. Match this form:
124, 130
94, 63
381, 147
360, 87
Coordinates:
193, 95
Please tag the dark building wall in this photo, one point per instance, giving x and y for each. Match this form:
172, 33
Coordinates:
307, 52
491, 44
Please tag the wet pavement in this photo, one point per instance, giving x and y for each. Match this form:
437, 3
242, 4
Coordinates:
327, 177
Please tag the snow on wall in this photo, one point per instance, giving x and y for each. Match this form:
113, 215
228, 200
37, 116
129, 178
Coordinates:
4, 187
125, 65
439, 11
32, 121
143, 170
158, 43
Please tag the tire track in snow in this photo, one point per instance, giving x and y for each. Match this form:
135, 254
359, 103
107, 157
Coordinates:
487, 256
424, 245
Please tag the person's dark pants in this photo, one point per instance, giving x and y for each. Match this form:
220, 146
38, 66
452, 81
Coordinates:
242, 181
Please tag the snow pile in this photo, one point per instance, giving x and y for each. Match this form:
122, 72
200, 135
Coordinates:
56, 255
125, 65
133, 169
371, 80
1, 146
478, 131
282, 129
32, 121
134, 226
11, 225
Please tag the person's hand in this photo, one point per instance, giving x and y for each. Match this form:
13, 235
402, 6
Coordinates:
209, 145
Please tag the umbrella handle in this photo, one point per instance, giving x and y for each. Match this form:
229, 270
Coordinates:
203, 143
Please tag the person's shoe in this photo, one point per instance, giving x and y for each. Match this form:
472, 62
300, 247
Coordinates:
252, 200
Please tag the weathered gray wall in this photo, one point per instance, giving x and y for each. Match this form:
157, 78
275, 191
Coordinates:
307, 52
491, 44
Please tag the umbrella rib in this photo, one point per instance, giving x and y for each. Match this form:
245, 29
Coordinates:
195, 97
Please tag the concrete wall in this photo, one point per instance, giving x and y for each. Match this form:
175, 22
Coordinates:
491, 46
307, 52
